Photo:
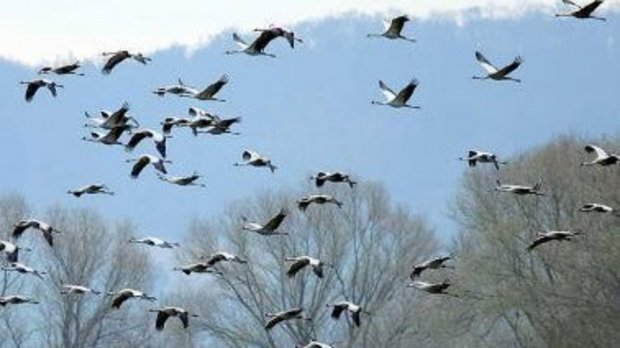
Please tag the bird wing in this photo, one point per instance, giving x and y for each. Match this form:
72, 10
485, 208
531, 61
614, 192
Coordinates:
589, 8
249, 154
48, 237
115, 133
52, 88
161, 320
140, 164
31, 90
318, 270
397, 24
338, 309
273, 322
275, 222
113, 61
417, 270
387, 91
136, 138
122, 297
296, 267
160, 145
215, 259
407, 92
540, 240
356, 317
511, 67
184, 317
263, 40
239, 41
19, 230
225, 123
570, 2
215, 87
600, 153
484, 62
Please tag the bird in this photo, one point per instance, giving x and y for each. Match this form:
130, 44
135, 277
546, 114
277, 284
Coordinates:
119, 56
256, 48
520, 189
209, 92
125, 294
72, 289
219, 126
68, 69
597, 208
166, 312
222, 256
431, 288
16, 299
23, 269
34, 85
179, 89
551, 235
110, 138
582, 12
301, 262
155, 242
602, 157
200, 121
304, 202
352, 308
394, 28
398, 100
45, 228
435, 263
189, 180
252, 158
11, 250
197, 267
143, 161
158, 139
276, 318
336, 177
112, 120
91, 189
169, 122
474, 157
494, 73
282, 32
270, 228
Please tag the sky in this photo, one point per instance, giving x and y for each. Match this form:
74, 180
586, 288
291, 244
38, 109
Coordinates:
308, 109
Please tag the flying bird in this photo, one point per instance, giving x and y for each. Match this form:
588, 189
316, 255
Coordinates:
169, 122
602, 157
256, 48
209, 92
189, 180
431, 288
110, 120
45, 228
72, 289
494, 73
110, 138
352, 308
400, 99
222, 256
582, 12
154, 242
435, 263
336, 177
11, 250
300, 262
282, 32
23, 269
68, 69
520, 190
393, 29
303, 203
34, 85
119, 56
219, 126
550, 236
270, 228
166, 312
197, 267
158, 139
596, 208
125, 294
474, 157
91, 189
179, 89
145, 160
252, 158
289, 314
16, 299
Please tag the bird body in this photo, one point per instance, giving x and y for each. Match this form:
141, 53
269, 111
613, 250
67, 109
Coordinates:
222, 256
252, 158
45, 228
158, 139
400, 99
276, 318
435, 263
603, 158
166, 312
520, 190
119, 56
169, 122
597, 208
125, 294
179, 89
68, 69
303, 203
108, 120
72, 289
196, 267
394, 28
270, 228
155, 242
23, 269
34, 85
16, 299
474, 157
91, 190
189, 180
431, 288
110, 138
209, 92
11, 250
257, 47
336, 177
301, 262
352, 308
494, 73
551, 236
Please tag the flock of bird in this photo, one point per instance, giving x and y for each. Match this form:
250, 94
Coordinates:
109, 128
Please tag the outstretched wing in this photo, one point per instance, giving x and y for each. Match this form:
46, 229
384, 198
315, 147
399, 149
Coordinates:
31, 90
296, 267
593, 148
511, 67
589, 8
215, 87
136, 139
239, 41
397, 24
484, 62
387, 91
540, 240
113, 61
161, 320
276, 221
407, 92
338, 309
118, 300
572, 3
137, 168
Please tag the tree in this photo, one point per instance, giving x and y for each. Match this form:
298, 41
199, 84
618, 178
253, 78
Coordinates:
369, 245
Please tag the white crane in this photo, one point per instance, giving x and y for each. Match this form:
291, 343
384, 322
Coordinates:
432, 288
268, 229
119, 56
154, 242
474, 157
166, 312
400, 99
602, 157
158, 139
45, 228
394, 28
256, 48
582, 12
289, 314
110, 138
336, 177
178, 89
352, 308
73, 289
125, 294
91, 189
23, 269
197, 267
11, 250
34, 85
16, 299
550, 236
222, 256
520, 190
145, 160
434, 263
303, 203
68, 69
109, 120
300, 262
209, 92
596, 208
494, 73
252, 158
189, 180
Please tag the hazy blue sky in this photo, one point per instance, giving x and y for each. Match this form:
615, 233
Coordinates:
309, 109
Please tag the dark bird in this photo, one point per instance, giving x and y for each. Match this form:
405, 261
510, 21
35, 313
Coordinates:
602, 157
336, 177
551, 235
394, 28
110, 138
209, 92
276, 318
11, 250
252, 158
145, 160
300, 262
436, 263
166, 312
282, 32
197, 267
119, 56
256, 48
46, 229
123, 295
16, 299
520, 190
158, 139
303, 203
34, 85
222, 256
23, 269
109, 120
68, 69
342, 306
189, 180
582, 12
431, 288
